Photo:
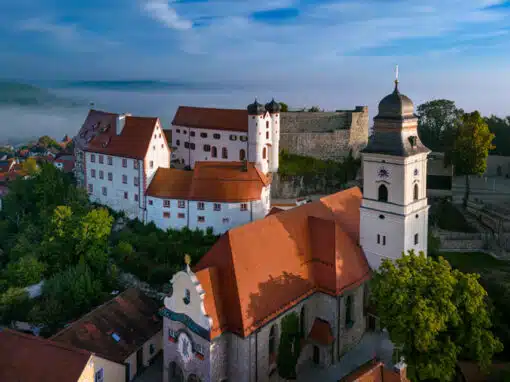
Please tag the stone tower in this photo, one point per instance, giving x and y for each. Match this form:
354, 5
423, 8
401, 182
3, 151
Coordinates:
394, 209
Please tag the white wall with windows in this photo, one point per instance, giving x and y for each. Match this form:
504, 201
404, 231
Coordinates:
158, 154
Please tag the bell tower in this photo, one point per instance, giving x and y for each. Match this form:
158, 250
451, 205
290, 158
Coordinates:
394, 209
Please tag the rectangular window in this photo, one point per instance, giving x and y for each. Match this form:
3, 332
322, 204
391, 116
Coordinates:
110, 176
125, 195
151, 164
124, 179
378, 239
207, 148
166, 203
105, 191
181, 204
135, 164
226, 220
135, 181
99, 377
415, 239
192, 146
93, 173
186, 145
185, 132
136, 197
233, 137
200, 219
180, 215
217, 207
244, 207
267, 134
90, 188
93, 158
110, 161
384, 240
203, 135
166, 215
150, 202
243, 138
177, 142
101, 174
200, 205
191, 133
124, 162
216, 136
154, 147
101, 159
178, 130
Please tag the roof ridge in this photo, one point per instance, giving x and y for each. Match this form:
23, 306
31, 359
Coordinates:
211, 108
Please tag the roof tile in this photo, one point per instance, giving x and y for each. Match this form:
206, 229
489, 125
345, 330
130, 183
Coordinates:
211, 118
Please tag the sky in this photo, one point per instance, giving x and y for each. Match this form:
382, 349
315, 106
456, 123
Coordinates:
454, 49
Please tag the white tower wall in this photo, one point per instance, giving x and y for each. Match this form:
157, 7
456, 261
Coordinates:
256, 141
275, 142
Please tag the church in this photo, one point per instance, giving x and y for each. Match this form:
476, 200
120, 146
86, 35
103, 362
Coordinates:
222, 319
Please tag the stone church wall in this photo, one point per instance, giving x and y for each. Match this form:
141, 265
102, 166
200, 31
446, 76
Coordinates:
324, 135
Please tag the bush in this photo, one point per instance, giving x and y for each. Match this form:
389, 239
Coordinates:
14, 305
289, 348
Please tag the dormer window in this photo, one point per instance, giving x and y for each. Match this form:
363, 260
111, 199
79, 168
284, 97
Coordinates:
187, 297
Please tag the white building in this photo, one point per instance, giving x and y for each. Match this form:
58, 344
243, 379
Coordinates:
394, 211
220, 195
202, 134
119, 163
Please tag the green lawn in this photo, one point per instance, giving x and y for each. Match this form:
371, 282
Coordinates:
478, 262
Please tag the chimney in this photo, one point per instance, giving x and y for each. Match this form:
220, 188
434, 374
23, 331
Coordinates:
401, 369
121, 121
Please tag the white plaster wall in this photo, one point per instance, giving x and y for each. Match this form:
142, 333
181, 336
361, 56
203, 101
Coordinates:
198, 154
158, 152
131, 360
156, 210
112, 371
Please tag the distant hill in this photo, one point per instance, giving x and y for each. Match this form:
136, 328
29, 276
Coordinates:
26, 95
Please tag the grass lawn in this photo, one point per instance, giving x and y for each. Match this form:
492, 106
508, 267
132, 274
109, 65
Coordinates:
475, 262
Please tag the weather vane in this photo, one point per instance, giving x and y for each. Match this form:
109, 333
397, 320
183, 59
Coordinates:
396, 73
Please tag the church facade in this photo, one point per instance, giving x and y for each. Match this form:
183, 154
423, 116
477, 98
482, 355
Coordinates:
222, 320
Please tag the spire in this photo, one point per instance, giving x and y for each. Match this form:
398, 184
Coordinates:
396, 79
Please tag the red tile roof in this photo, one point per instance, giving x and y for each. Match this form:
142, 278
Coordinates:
321, 332
374, 371
25, 358
89, 128
275, 210
131, 315
211, 118
133, 141
258, 270
210, 181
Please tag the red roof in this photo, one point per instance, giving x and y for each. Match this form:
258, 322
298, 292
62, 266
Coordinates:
374, 371
211, 118
210, 181
89, 129
258, 270
25, 358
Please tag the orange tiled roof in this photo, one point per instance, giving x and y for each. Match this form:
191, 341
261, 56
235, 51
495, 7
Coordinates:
210, 181
258, 270
210, 118
33, 359
133, 141
274, 210
89, 128
321, 332
373, 371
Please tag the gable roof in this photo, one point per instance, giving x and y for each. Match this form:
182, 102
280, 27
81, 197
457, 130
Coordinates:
256, 271
131, 315
133, 141
374, 371
33, 359
211, 118
210, 181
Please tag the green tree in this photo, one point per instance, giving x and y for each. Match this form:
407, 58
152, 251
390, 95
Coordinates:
284, 107
289, 347
438, 121
314, 109
25, 271
434, 314
500, 127
30, 166
47, 142
471, 146
14, 305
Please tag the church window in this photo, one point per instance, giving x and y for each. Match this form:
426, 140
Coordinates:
348, 312
382, 194
216, 136
415, 239
302, 322
378, 239
272, 340
242, 154
207, 148
264, 153
214, 152
415, 192
384, 240
187, 297
224, 153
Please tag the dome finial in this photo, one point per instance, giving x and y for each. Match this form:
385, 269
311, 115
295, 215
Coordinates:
396, 78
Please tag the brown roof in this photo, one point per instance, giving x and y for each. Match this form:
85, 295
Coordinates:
373, 371
25, 358
131, 315
90, 127
321, 332
133, 141
210, 118
210, 181
256, 271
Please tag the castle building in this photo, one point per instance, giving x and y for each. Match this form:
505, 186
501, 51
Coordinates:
223, 318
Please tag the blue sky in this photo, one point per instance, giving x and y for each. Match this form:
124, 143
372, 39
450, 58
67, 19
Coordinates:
444, 48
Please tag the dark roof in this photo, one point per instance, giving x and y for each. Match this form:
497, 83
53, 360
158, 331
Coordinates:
89, 128
25, 358
273, 107
395, 143
256, 108
132, 316
395, 105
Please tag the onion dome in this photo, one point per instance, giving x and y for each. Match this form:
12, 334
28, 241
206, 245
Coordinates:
396, 105
256, 108
273, 107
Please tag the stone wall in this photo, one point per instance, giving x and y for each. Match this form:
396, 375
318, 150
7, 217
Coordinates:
324, 135
290, 187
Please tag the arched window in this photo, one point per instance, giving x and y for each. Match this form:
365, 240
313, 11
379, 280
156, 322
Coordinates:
242, 154
348, 311
175, 373
302, 322
415, 191
224, 153
272, 340
264, 153
214, 152
382, 194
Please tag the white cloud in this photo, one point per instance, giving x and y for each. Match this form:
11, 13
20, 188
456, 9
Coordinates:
160, 10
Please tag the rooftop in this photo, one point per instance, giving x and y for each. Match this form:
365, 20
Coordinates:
212, 118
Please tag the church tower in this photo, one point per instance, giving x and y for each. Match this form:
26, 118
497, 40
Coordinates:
394, 209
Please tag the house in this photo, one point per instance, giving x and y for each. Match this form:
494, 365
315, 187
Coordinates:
64, 162
223, 319
124, 333
374, 371
33, 359
220, 195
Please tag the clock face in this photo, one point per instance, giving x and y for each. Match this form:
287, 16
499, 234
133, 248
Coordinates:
184, 347
383, 173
